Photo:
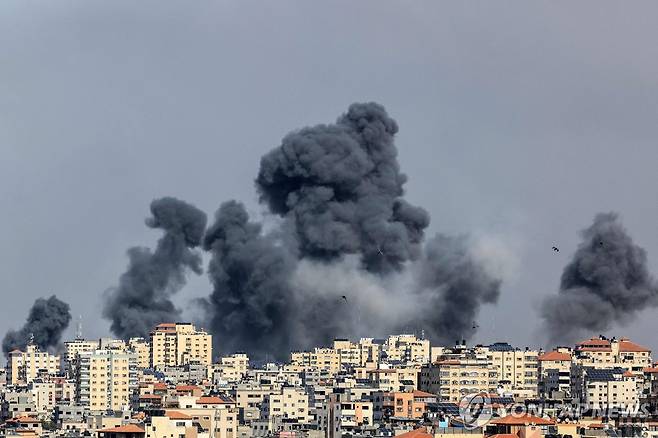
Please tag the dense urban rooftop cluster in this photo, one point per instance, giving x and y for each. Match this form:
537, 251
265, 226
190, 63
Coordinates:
169, 386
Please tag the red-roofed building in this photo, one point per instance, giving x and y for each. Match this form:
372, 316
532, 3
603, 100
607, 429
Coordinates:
555, 356
25, 423
613, 352
554, 373
124, 431
522, 426
148, 401
421, 432
175, 415
189, 390
626, 346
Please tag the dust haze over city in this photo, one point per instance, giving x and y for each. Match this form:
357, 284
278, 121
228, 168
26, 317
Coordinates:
160, 162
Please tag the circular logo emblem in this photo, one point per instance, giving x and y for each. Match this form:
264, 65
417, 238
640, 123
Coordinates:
475, 410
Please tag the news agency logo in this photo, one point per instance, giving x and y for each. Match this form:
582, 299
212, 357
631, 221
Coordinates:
475, 410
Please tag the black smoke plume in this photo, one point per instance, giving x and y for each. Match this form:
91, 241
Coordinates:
345, 230
606, 282
47, 320
143, 297
452, 285
252, 306
341, 187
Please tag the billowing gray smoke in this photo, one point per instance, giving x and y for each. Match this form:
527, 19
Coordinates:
606, 282
347, 258
47, 320
341, 187
143, 297
252, 306
452, 285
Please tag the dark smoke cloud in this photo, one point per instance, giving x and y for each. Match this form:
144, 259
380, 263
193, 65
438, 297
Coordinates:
342, 188
345, 231
452, 285
47, 320
143, 297
606, 282
252, 304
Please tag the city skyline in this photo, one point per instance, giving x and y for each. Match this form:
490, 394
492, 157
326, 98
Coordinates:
346, 219
483, 132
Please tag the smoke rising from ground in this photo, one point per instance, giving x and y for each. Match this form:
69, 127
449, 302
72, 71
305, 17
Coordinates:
341, 187
606, 282
452, 285
345, 231
143, 297
47, 320
252, 305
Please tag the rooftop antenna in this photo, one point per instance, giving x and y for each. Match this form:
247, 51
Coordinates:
78, 328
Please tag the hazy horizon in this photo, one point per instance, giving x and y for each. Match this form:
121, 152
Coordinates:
518, 124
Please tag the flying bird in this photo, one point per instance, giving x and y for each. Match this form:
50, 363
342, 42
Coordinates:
556, 249
344, 297
475, 325
379, 250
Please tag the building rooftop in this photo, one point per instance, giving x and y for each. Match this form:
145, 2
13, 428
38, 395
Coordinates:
417, 433
126, 428
521, 420
627, 346
554, 355
175, 415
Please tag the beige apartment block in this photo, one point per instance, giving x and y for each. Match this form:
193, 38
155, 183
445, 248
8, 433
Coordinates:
289, 402
230, 368
217, 416
407, 347
555, 373
175, 344
73, 348
453, 379
142, 348
611, 387
172, 424
603, 352
106, 379
249, 398
25, 366
516, 370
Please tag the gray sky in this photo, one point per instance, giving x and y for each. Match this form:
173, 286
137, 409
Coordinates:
518, 122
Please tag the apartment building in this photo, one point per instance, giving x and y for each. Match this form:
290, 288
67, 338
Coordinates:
411, 404
555, 373
367, 353
176, 344
406, 348
73, 348
399, 378
230, 369
290, 403
106, 379
453, 379
370, 352
609, 387
25, 366
326, 359
515, 369
349, 353
610, 353
216, 416
249, 397
142, 349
